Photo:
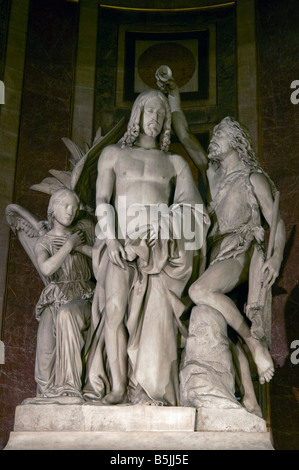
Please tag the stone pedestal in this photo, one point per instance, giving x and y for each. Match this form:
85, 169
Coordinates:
90, 417
207, 374
133, 427
210, 419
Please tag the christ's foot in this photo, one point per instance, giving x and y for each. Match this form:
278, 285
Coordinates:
73, 394
115, 398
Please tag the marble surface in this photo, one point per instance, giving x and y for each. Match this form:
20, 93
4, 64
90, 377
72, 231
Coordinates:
46, 118
175, 441
228, 420
89, 417
87, 426
207, 376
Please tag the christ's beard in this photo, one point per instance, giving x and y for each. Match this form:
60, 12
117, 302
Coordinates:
152, 130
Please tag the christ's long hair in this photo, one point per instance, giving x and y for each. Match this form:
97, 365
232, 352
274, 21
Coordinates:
133, 129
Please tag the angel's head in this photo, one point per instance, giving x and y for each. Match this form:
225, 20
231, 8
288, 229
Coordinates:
63, 207
151, 115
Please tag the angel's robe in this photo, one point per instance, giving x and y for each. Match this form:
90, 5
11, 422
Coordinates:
159, 277
63, 312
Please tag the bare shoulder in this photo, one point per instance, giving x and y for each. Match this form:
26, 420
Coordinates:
260, 182
109, 155
179, 163
111, 150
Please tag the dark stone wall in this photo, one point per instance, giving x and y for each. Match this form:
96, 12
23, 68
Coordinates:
278, 50
45, 119
106, 112
5, 6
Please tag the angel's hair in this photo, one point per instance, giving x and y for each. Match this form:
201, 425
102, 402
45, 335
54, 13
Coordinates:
133, 129
55, 199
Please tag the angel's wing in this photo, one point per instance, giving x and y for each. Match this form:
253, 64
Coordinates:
84, 175
48, 185
28, 229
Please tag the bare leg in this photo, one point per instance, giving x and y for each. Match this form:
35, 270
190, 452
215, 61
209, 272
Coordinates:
210, 289
117, 289
241, 362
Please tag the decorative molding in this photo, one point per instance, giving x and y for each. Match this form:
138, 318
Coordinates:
135, 43
175, 9
247, 68
9, 123
82, 125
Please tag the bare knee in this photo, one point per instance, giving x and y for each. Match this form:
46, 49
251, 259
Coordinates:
115, 312
198, 291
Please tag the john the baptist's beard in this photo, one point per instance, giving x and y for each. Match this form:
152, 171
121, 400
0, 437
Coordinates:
214, 151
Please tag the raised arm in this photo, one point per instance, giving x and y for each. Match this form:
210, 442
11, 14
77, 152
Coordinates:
188, 140
181, 128
264, 195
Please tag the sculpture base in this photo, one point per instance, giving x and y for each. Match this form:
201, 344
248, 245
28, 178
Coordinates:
118, 441
134, 427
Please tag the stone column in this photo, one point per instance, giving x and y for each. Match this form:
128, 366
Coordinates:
82, 128
247, 68
9, 123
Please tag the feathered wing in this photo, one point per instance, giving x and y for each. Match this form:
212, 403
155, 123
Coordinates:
82, 177
76, 152
28, 229
48, 185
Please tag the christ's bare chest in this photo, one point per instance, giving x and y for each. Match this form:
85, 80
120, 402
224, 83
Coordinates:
144, 165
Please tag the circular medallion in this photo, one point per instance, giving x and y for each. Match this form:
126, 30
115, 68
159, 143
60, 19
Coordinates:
178, 57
